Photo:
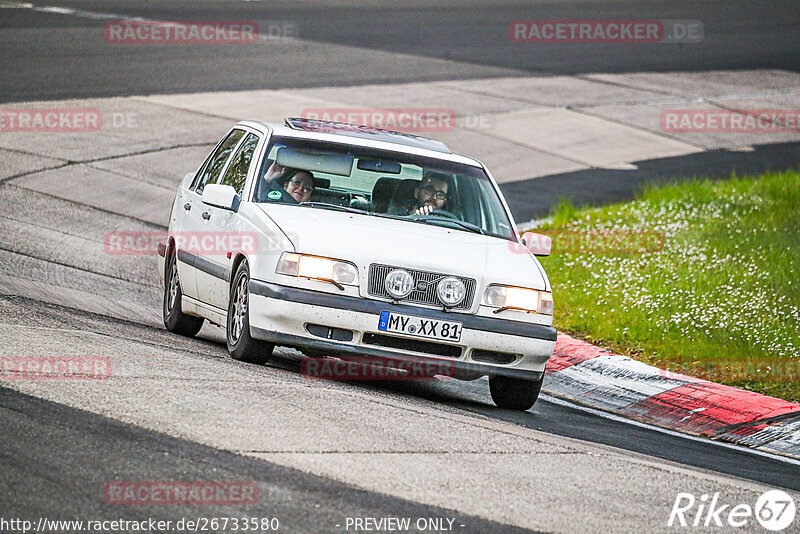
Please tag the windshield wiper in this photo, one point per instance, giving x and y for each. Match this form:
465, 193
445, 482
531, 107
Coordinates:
327, 206
465, 225
423, 219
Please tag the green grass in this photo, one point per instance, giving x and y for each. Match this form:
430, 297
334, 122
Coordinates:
723, 291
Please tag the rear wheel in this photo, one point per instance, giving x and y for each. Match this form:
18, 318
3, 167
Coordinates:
514, 393
175, 320
241, 345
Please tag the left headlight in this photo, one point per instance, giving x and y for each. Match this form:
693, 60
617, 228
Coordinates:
319, 268
518, 298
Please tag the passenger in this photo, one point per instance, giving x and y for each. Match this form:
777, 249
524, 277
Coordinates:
429, 195
279, 180
298, 183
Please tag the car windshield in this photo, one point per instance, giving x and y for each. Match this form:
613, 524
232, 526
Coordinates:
322, 175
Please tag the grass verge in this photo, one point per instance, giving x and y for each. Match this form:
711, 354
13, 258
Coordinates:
721, 298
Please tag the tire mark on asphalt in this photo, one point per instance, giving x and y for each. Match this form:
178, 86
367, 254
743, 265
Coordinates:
585, 112
48, 228
376, 393
107, 318
132, 178
426, 452
304, 502
24, 174
70, 162
82, 269
89, 206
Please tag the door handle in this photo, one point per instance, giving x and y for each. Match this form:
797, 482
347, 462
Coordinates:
206, 215
187, 206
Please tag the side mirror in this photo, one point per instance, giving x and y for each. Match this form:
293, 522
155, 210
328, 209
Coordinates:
537, 244
221, 196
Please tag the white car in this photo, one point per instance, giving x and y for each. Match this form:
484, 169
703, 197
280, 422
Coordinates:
347, 241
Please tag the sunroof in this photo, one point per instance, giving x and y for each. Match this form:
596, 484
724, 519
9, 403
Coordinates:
365, 132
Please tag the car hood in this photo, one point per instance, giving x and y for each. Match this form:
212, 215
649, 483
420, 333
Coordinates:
365, 239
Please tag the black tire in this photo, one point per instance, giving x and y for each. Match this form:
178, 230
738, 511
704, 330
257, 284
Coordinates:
175, 320
467, 376
241, 345
514, 393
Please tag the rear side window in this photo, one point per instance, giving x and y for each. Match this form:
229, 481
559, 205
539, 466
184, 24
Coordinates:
236, 174
211, 172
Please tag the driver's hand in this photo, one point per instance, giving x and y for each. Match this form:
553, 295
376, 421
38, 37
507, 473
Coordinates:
424, 210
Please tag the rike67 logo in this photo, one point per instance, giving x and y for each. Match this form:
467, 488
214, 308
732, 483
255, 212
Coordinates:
774, 510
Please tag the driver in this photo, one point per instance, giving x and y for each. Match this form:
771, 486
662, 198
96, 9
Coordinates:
429, 195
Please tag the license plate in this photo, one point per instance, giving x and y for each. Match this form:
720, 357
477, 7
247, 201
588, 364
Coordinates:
419, 326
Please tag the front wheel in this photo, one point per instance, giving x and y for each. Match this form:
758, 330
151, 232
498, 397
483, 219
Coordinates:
514, 393
241, 345
175, 320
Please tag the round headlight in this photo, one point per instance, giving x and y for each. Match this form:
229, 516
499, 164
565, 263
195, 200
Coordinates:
344, 273
399, 283
495, 296
451, 291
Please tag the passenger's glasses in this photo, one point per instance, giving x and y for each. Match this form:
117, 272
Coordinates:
304, 188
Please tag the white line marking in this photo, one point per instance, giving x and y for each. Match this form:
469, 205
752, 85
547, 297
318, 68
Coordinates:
693, 412
620, 419
113, 16
56, 9
83, 13
66, 11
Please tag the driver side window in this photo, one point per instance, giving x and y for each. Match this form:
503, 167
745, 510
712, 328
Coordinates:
211, 172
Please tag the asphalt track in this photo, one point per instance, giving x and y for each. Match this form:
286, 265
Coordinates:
47, 55
58, 460
169, 418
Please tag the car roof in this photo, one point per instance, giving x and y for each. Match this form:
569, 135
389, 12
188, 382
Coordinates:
354, 134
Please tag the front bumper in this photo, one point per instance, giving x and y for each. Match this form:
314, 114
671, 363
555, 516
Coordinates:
282, 315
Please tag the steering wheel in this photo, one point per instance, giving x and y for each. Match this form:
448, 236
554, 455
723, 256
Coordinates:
445, 214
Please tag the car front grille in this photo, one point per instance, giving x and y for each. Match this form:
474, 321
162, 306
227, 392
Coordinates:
376, 287
415, 345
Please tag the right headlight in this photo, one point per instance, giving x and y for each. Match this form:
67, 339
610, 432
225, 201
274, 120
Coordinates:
518, 298
318, 268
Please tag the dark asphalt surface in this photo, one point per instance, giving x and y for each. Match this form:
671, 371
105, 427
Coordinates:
55, 460
48, 55
470, 396
55, 56
579, 424
533, 198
